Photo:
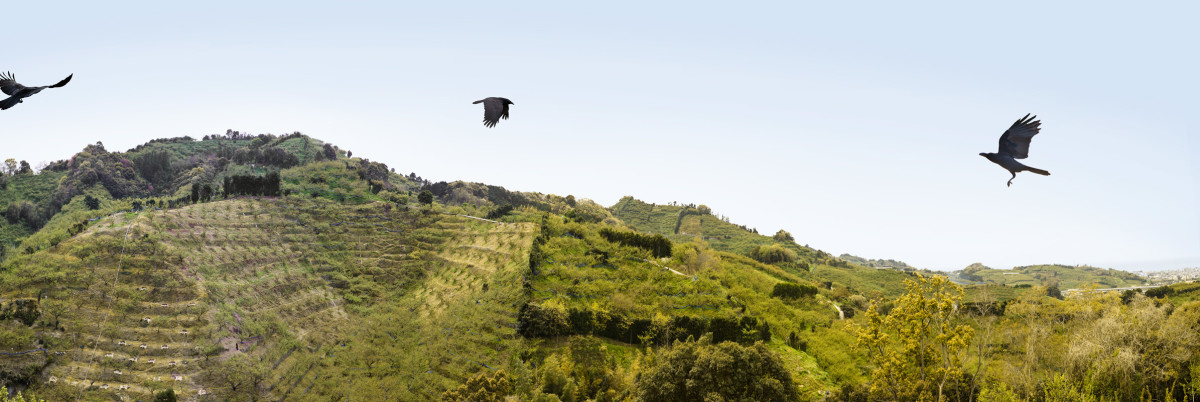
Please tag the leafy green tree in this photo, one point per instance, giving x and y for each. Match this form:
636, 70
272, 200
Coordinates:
426, 197
10, 166
917, 350
702, 371
1054, 292
783, 236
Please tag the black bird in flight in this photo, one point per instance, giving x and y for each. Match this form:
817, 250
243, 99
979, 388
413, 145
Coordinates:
1014, 144
494, 109
17, 92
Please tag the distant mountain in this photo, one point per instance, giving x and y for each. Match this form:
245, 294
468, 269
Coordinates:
1062, 276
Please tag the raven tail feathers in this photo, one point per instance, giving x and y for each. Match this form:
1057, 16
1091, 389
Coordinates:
1039, 171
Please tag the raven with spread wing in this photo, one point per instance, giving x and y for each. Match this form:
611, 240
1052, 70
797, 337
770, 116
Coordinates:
1014, 144
17, 92
494, 109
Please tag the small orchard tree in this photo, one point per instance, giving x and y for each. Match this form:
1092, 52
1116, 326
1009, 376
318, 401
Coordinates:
165, 396
426, 197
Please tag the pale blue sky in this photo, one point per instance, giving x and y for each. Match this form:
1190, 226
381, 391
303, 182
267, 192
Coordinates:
855, 126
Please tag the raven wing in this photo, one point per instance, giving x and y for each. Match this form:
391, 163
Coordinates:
493, 110
63, 82
1015, 141
8, 84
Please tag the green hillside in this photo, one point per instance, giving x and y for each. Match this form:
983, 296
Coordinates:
1061, 276
279, 268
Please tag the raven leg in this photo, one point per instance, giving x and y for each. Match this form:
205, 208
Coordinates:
1010, 180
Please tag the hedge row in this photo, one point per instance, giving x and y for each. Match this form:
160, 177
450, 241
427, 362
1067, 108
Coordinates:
656, 244
534, 321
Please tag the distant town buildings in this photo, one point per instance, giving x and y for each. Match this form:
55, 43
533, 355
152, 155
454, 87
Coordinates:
1172, 276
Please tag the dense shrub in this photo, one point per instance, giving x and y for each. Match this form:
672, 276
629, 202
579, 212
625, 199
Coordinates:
1159, 292
165, 396
252, 185
658, 245
1054, 292
534, 321
155, 167
329, 152
772, 254
787, 290
24, 211
500, 211
92, 202
730, 372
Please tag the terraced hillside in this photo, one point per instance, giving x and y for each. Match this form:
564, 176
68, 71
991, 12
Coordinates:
292, 298
586, 284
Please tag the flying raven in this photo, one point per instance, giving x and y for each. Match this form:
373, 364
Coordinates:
17, 92
1014, 144
494, 109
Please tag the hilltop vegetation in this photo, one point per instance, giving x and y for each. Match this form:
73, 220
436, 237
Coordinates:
875, 263
166, 172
